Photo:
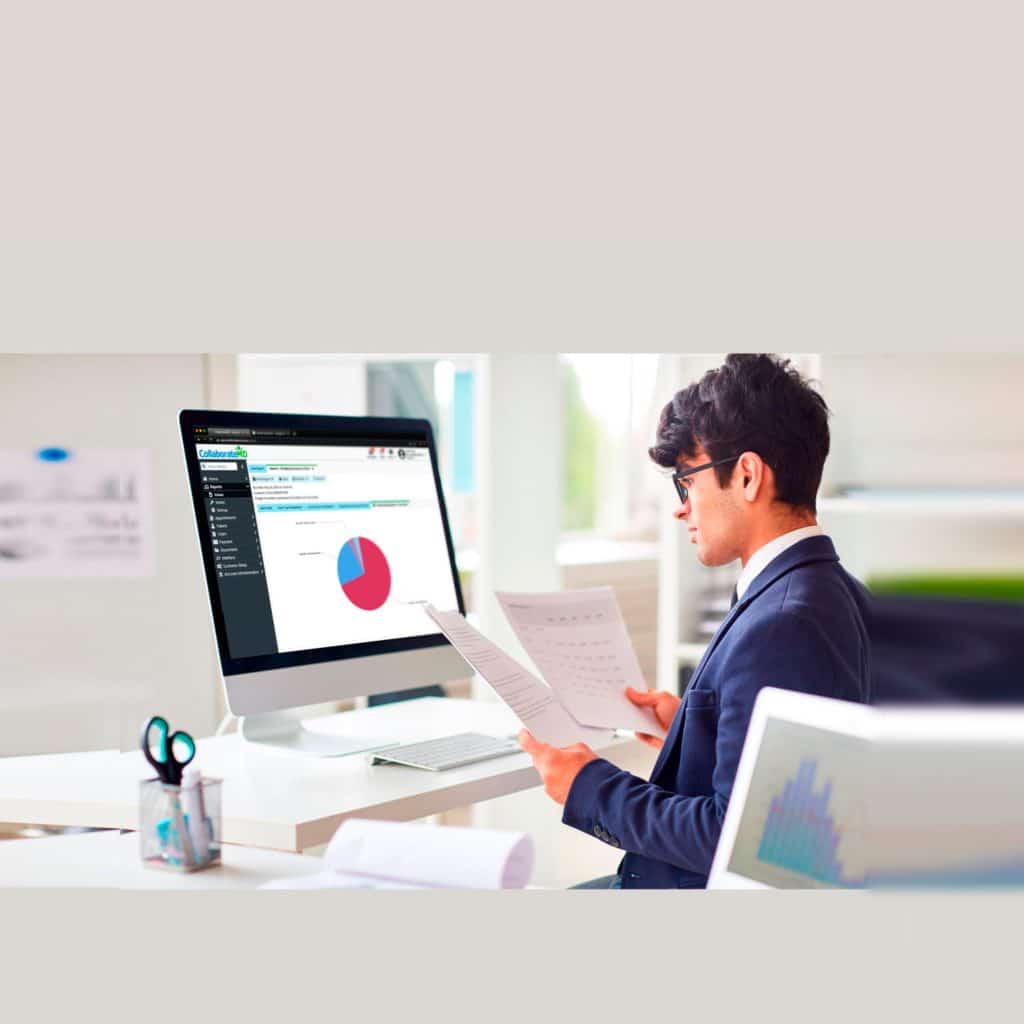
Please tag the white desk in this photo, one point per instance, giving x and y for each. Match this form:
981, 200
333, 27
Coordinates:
110, 860
284, 801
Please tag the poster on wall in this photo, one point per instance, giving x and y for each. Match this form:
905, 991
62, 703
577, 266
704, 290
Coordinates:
67, 512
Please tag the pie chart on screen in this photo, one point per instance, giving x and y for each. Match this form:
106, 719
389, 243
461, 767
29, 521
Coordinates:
364, 573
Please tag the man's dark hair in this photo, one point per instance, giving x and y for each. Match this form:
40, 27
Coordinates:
757, 403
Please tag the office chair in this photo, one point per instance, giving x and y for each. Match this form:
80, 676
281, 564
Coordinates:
932, 650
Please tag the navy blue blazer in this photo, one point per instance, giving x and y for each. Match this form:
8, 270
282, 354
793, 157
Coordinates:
800, 626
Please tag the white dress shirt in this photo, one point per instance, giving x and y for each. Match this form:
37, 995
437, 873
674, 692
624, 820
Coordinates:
766, 554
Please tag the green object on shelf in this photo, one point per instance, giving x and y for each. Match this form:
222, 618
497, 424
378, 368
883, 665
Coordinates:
1003, 587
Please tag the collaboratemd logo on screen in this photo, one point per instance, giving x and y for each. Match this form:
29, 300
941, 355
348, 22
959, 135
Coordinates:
214, 453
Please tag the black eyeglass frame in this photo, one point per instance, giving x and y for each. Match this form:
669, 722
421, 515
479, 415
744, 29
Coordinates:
679, 475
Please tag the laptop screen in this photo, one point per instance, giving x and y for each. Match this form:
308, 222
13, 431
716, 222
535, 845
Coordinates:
796, 814
801, 824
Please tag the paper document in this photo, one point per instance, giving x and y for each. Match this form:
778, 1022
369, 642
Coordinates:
366, 854
578, 640
537, 707
84, 512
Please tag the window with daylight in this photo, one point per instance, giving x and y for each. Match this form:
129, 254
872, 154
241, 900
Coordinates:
610, 409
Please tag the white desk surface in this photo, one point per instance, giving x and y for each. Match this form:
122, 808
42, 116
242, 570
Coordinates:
284, 801
110, 860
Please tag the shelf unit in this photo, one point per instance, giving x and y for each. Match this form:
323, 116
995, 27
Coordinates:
980, 505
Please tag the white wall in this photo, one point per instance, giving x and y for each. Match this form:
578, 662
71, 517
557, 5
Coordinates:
83, 661
941, 418
942, 421
327, 384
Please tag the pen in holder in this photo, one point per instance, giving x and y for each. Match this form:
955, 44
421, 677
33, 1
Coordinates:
179, 826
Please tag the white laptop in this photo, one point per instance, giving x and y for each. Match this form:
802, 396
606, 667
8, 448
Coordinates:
796, 814
942, 784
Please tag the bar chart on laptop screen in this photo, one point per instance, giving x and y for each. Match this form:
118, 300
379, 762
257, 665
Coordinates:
803, 820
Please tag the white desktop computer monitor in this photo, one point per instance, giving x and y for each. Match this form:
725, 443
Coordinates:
322, 538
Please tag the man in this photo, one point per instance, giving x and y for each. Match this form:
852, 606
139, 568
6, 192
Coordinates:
747, 444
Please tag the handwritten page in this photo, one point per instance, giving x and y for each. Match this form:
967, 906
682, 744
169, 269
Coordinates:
578, 640
399, 855
534, 703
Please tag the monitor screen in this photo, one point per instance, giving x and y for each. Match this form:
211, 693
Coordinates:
797, 808
801, 822
322, 537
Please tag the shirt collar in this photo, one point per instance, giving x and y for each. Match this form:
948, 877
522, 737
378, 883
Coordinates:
767, 553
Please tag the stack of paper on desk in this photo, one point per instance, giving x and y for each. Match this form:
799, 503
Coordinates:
579, 641
397, 855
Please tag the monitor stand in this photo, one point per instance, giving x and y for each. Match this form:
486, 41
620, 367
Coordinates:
285, 730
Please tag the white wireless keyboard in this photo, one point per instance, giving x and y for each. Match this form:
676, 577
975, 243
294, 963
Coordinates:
448, 751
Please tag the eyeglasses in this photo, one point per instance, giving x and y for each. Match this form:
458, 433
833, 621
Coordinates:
681, 474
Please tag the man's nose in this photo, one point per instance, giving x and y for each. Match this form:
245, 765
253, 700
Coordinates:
683, 511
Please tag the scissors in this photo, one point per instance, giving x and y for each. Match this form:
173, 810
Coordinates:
167, 761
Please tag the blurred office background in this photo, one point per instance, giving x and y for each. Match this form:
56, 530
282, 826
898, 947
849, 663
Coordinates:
548, 486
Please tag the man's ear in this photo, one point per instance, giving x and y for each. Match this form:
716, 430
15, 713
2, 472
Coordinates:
751, 470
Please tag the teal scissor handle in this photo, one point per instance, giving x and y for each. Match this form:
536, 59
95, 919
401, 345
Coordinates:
167, 760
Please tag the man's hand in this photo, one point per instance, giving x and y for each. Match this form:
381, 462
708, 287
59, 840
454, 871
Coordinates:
558, 766
665, 706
